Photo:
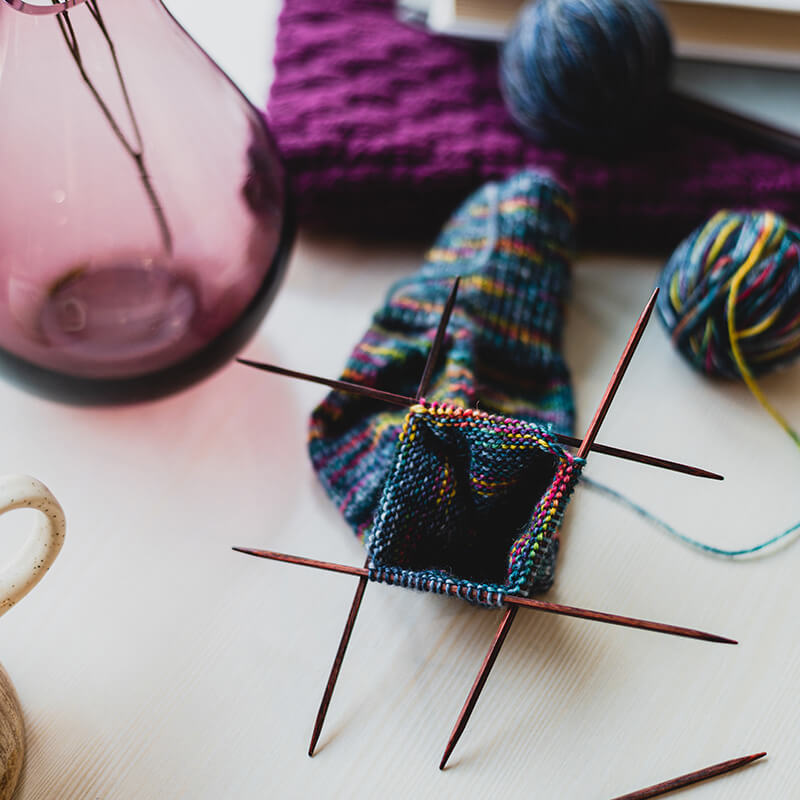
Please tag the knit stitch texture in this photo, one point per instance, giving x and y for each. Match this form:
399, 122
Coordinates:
386, 128
450, 498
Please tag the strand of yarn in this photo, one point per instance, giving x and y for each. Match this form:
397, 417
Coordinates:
730, 298
613, 494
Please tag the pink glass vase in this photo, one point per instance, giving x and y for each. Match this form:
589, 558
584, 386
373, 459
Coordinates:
144, 225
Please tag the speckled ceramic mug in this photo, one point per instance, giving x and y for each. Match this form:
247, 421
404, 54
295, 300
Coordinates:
43, 543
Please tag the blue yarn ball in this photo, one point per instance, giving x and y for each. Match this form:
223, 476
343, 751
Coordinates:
588, 72
743, 267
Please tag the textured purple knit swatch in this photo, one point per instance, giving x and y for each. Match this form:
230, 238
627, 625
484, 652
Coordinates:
386, 129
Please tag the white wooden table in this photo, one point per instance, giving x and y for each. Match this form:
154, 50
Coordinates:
153, 662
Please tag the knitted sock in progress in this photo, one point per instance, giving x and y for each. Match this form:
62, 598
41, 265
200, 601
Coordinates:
463, 493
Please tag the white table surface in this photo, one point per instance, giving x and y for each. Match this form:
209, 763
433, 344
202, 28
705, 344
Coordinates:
153, 662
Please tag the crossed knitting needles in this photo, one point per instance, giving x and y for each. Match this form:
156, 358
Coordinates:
512, 602
405, 402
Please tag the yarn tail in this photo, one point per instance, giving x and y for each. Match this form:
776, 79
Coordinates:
620, 498
735, 336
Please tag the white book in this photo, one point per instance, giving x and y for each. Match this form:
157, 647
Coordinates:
760, 32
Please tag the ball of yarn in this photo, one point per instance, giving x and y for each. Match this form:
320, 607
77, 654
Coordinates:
730, 295
591, 72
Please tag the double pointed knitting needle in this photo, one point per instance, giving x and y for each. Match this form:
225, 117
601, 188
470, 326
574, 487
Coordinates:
692, 777
583, 450
405, 401
519, 602
438, 339
337, 661
424, 383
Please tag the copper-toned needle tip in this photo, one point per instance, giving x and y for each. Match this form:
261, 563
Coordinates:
477, 686
583, 450
303, 562
653, 461
342, 386
527, 602
690, 778
617, 619
617, 376
337, 661
402, 400
438, 339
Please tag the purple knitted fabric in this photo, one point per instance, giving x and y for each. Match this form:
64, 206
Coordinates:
385, 128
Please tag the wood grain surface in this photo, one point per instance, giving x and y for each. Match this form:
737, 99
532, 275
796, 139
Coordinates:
154, 663
12, 737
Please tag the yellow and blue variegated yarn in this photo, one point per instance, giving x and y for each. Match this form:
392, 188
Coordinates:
730, 297
463, 493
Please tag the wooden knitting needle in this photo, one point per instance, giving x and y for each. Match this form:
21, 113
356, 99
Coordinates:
583, 450
337, 661
424, 383
403, 400
519, 602
341, 386
438, 339
692, 777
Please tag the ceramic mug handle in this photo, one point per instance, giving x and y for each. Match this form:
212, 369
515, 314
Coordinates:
43, 544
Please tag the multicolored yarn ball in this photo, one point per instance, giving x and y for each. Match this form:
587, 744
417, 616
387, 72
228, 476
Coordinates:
463, 493
588, 72
730, 298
